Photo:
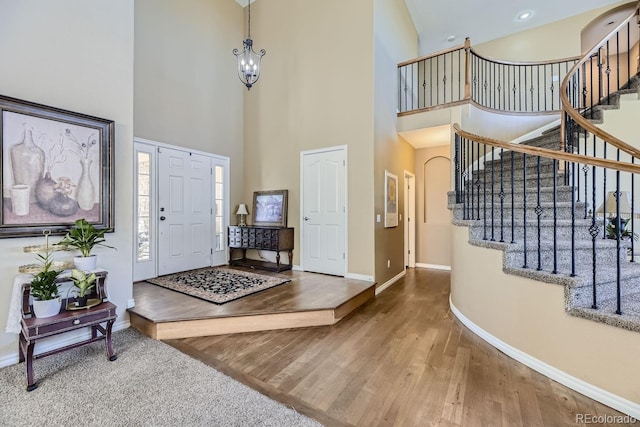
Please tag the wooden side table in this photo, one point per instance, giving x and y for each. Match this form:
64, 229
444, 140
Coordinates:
34, 329
274, 239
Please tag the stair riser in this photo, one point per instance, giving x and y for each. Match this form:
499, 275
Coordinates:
584, 257
478, 213
546, 233
518, 197
518, 182
583, 297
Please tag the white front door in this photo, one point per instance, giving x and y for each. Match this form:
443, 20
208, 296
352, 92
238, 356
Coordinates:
324, 211
185, 211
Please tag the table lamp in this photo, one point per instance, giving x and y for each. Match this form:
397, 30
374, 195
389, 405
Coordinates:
242, 211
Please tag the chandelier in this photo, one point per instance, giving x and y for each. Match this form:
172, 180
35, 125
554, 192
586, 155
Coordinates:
248, 59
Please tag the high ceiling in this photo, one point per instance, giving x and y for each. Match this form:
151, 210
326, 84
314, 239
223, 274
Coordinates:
438, 20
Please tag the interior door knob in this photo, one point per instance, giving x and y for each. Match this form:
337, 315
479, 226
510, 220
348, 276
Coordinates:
162, 218
306, 218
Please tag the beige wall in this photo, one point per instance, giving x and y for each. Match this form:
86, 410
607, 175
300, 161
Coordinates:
529, 315
76, 55
542, 43
315, 91
395, 40
187, 91
433, 219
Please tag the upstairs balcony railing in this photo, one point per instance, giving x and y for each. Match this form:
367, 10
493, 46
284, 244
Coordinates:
459, 75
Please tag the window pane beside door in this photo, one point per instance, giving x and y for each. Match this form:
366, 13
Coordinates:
219, 203
144, 203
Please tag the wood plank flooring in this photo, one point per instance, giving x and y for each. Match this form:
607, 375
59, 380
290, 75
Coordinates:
401, 359
309, 299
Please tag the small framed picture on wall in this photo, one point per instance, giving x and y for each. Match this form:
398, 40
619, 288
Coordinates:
390, 199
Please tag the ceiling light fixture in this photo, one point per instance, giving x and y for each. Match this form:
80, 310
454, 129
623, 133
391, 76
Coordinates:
248, 59
524, 15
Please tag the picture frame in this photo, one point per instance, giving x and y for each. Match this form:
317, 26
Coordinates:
270, 208
390, 199
56, 168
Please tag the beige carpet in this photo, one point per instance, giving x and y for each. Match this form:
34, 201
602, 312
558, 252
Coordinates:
151, 384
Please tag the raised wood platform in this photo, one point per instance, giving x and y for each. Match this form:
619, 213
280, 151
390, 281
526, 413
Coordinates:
308, 300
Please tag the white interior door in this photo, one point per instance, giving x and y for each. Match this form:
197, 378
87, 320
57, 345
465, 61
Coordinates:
324, 211
185, 211
409, 220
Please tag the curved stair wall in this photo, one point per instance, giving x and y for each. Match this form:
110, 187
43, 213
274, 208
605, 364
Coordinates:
526, 319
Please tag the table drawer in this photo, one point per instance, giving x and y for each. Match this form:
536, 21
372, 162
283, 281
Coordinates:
69, 323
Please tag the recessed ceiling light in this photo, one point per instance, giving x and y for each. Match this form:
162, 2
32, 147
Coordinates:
524, 15
451, 38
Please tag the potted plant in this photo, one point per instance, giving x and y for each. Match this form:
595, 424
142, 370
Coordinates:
45, 288
83, 283
84, 236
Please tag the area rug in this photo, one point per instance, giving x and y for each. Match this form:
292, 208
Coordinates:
218, 284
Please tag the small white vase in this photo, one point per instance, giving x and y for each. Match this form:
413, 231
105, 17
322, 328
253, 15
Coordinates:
86, 192
47, 308
85, 263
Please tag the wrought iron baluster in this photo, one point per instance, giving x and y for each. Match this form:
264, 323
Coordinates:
484, 160
478, 182
456, 163
618, 237
501, 195
539, 211
524, 207
555, 217
513, 216
594, 230
493, 204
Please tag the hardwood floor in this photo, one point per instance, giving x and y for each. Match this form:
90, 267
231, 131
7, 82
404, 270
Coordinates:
400, 359
309, 299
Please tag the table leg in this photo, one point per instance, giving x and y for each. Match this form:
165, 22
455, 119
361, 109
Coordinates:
291, 259
31, 385
21, 344
110, 354
278, 260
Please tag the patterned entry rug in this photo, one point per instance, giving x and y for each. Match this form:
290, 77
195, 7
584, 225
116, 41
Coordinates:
218, 284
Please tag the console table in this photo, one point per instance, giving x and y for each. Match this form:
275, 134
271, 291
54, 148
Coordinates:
69, 319
263, 238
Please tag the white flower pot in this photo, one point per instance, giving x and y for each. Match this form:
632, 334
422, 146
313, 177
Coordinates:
85, 263
47, 308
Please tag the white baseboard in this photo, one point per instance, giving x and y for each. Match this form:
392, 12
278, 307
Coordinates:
61, 341
131, 303
433, 266
390, 282
596, 393
295, 267
355, 276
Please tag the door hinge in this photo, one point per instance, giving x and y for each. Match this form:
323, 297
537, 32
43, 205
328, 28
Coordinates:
211, 251
344, 163
344, 256
409, 251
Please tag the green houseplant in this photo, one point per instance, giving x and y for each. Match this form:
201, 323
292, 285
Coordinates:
84, 237
83, 283
45, 289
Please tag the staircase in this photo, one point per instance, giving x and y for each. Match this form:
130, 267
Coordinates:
509, 205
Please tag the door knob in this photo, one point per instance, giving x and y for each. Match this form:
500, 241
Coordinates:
306, 218
162, 218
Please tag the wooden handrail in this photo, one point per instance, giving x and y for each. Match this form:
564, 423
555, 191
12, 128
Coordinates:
432, 55
551, 154
547, 62
575, 114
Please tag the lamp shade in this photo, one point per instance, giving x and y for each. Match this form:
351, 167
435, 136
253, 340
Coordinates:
609, 206
242, 209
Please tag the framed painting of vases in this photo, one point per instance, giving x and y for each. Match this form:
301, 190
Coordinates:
56, 168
